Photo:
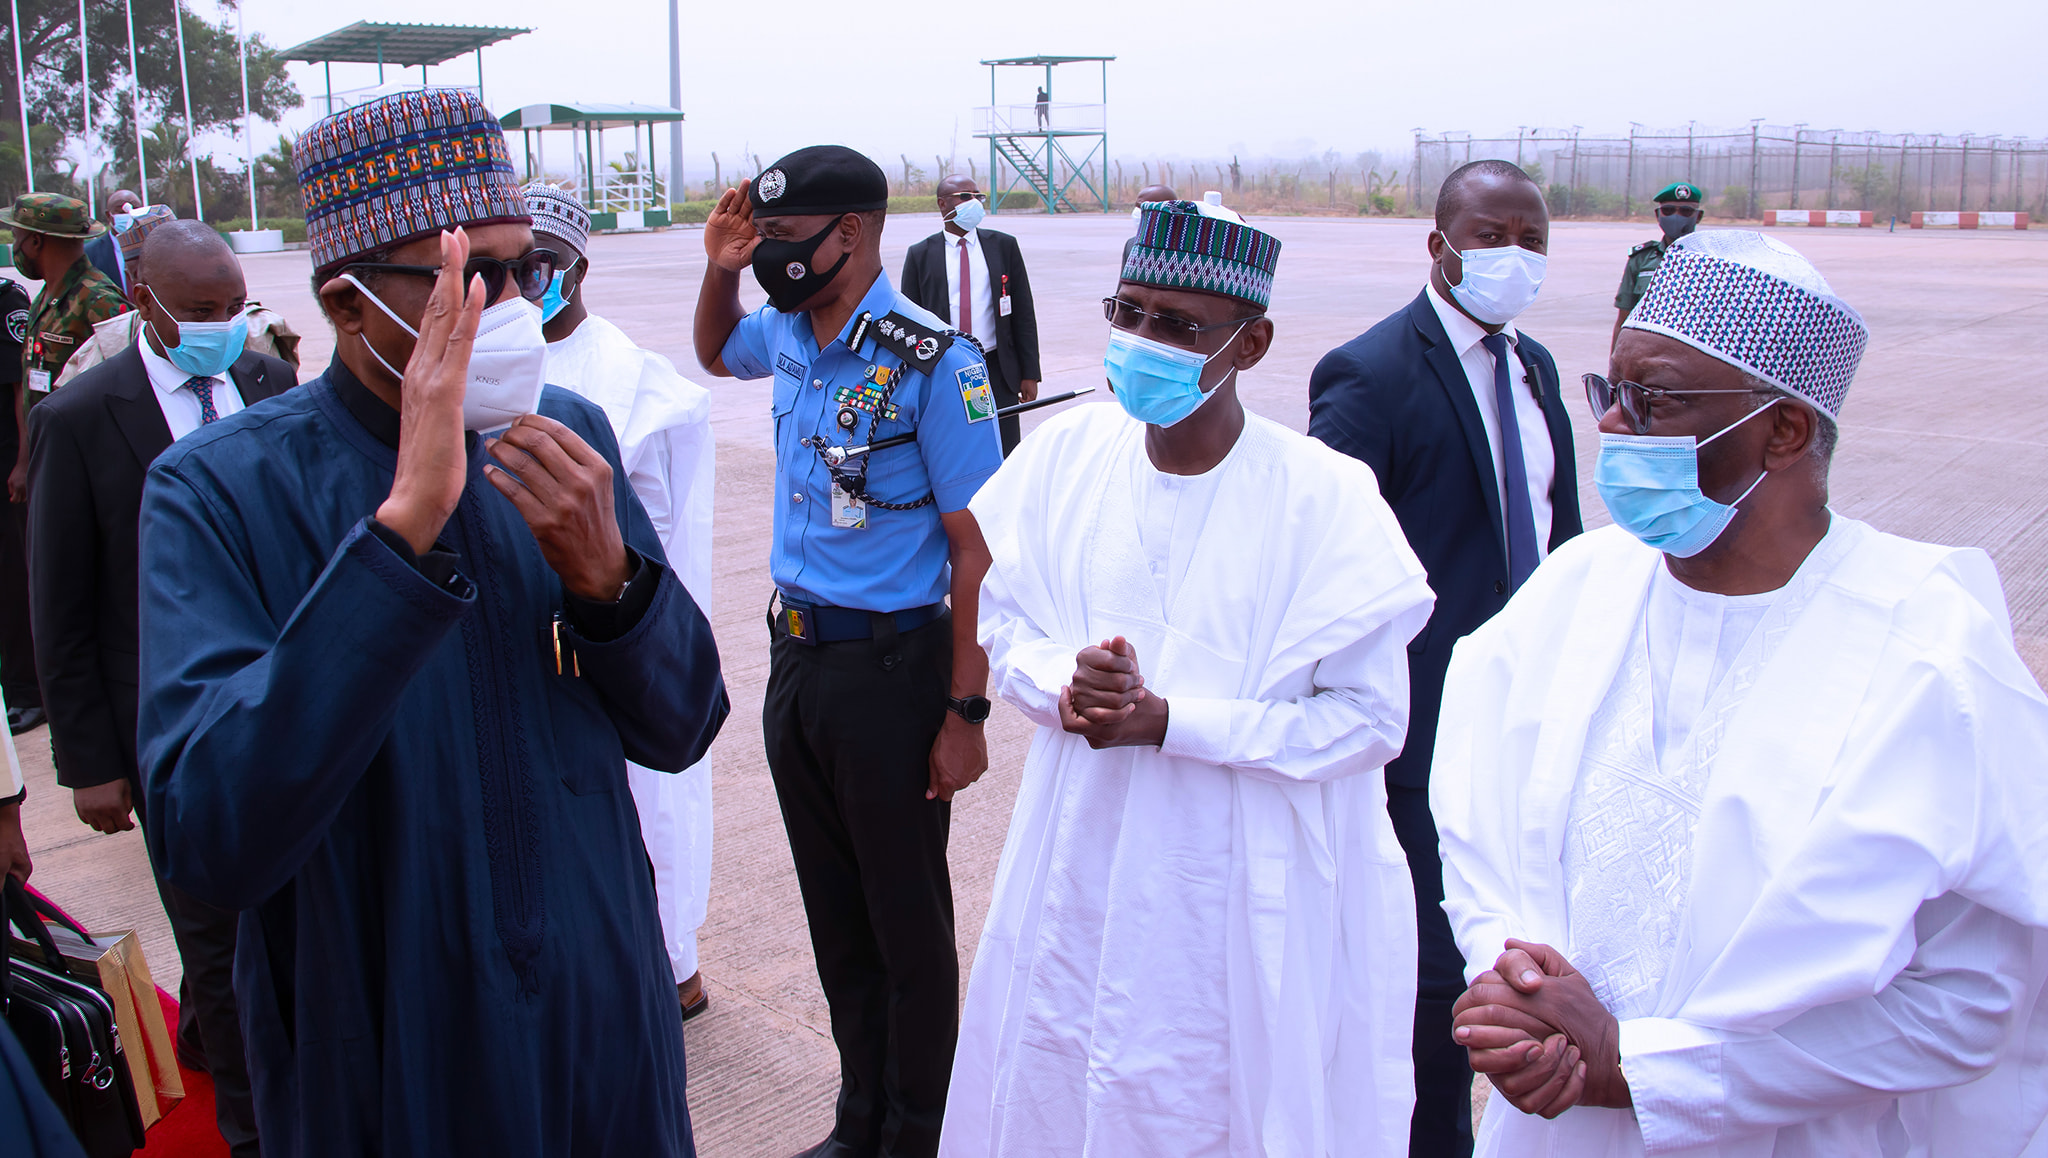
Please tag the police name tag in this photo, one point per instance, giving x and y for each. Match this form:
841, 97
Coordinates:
848, 512
975, 393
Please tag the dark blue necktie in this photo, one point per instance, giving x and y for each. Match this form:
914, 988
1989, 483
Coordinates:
202, 387
1518, 514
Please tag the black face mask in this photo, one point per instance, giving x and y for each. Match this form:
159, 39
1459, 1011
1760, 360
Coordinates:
784, 269
1676, 225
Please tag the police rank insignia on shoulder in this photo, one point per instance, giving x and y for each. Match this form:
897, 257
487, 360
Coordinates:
1641, 247
917, 344
975, 392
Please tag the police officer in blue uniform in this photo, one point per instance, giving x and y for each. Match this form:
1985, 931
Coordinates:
875, 694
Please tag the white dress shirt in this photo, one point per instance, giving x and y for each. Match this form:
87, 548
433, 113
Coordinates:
1537, 455
179, 404
982, 293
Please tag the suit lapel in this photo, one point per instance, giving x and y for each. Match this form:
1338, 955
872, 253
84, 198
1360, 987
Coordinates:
935, 276
133, 407
1565, 520
253, 380
1450, 374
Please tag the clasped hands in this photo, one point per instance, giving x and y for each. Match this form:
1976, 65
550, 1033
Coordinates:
1107, 703
1533, 1026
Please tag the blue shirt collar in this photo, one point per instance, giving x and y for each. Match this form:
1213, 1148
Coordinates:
879, 300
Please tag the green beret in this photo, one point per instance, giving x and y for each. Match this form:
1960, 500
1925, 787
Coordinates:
1684, 191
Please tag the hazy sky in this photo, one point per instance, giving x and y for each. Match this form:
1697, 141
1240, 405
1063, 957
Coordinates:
1199, 78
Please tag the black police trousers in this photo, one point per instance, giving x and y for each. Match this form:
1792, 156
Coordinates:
849, 730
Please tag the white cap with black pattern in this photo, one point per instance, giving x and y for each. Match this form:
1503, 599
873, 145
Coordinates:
557, 214
1757, 304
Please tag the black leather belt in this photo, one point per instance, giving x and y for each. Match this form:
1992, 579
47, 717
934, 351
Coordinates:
814, 623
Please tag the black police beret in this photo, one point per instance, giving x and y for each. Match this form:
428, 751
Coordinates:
820, 179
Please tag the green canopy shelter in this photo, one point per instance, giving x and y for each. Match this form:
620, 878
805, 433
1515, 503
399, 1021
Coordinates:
630, 198
403, 45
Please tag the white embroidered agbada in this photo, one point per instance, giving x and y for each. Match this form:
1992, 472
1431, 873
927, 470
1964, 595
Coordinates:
1207, 948
663, 423
1798, 844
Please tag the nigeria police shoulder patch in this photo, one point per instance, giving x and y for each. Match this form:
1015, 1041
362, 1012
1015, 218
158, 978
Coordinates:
17, 327
975, 393
920, 346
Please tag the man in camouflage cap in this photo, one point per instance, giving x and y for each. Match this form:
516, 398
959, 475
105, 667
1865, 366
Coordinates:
1680, 209
50, 232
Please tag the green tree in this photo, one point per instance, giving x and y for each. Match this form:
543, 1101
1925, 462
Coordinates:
49, 48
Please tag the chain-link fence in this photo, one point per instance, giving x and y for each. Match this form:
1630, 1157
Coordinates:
1745, 172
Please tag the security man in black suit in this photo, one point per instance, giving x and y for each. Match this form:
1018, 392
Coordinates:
1460, 417
997, 291
90, 446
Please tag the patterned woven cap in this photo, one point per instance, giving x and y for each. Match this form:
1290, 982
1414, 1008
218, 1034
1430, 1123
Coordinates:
558, 214
1195, 246
146, 222
402, 167
1757, 304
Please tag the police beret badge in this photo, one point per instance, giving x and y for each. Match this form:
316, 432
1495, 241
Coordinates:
772, 184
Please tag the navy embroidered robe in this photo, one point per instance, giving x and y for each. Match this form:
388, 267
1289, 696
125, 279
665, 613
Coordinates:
450, 942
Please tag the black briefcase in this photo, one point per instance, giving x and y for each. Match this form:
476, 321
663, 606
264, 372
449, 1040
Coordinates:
67, 1028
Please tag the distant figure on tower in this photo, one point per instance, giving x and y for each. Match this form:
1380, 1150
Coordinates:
1044, 105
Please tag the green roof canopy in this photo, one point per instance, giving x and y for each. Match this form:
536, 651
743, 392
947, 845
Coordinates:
405, 45
590, 116
1038, 61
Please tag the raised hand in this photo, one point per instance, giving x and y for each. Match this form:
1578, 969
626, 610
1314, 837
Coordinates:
432, 464
729, 237
563, 490
1107, 703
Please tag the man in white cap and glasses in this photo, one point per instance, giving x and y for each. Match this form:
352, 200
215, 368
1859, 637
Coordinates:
1744, 829
663, 423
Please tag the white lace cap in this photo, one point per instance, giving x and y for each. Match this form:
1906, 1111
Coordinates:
1757, 304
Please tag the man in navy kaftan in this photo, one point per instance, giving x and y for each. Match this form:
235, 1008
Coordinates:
451, 943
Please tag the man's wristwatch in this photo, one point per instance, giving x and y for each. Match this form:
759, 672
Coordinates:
973, 709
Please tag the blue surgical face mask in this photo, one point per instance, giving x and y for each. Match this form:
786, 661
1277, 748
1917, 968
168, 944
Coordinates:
969, 214
1495, 285
554, 301
204, 349
1651, 486
122, 222
1155, 383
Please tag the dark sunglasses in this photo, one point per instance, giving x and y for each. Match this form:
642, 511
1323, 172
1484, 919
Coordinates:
1635, 398
531, 273
1678, 210
982, 197
1179, 331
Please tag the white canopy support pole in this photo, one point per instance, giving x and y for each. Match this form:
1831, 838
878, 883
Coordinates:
28, 162
85, 101
675, 101
185, 82
248, 130
135, 103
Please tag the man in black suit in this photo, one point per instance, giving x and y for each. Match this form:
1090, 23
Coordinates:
104, 251
975, 279
90, 445
1460, 417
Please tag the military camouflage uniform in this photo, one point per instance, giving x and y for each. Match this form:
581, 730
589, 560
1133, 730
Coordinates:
72, 302
1642, 265
62, 320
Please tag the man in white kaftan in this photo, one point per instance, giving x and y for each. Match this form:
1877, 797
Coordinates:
663, 423
1742, 798
1202, 939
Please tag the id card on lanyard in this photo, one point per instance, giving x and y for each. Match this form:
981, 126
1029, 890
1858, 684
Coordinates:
1003, 302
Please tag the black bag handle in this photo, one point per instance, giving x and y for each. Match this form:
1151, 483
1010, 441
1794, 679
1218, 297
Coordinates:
41, 906
17, 907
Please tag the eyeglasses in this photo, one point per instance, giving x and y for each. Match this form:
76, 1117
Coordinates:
1179, 331
532, 272
1678, 210
1635, 398
982, 197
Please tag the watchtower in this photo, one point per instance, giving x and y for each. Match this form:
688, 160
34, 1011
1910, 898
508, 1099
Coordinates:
1047, 146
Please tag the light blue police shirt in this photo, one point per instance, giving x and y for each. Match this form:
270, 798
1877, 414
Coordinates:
898, 560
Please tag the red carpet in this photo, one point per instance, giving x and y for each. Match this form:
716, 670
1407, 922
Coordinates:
188, 1130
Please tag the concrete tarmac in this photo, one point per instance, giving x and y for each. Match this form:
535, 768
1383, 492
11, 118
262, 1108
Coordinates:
1945, 438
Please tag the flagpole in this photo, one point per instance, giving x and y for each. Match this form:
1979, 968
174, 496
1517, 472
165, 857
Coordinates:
85, 101
191, 150
135, 100
28, 164
248, 134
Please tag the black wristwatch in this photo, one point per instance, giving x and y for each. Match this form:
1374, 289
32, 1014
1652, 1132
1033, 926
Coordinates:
973, 709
